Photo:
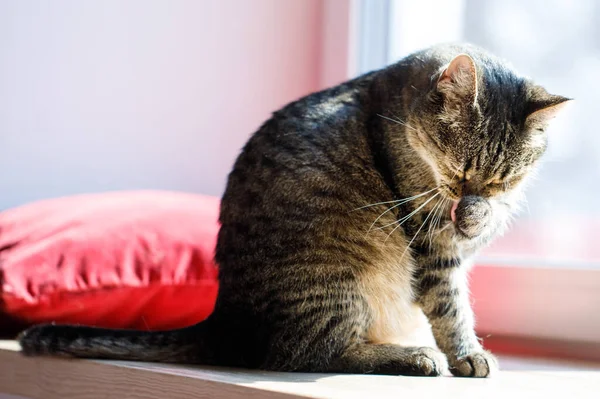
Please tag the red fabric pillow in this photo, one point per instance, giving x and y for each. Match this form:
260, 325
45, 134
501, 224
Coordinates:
125, 260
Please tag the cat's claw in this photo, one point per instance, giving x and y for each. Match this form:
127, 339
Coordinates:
478, 364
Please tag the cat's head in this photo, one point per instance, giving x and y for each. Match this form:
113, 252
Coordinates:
481, 128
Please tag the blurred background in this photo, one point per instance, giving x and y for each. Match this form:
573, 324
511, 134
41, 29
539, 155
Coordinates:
113, 95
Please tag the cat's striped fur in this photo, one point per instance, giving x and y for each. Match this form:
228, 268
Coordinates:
321, 267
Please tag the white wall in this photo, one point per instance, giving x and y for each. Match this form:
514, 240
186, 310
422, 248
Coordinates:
127, 94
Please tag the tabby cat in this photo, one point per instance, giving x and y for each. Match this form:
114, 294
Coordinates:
348, 222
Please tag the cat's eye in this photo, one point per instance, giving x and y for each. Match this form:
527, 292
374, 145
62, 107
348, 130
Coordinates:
505, 183
462, 176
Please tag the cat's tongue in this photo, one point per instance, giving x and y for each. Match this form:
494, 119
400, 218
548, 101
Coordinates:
453, 211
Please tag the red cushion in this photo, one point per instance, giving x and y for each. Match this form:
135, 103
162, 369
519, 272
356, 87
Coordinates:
124, 260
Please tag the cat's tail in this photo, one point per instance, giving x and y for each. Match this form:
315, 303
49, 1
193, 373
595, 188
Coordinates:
193, 344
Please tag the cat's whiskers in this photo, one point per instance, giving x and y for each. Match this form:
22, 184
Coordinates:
444, 228
448, 202
433, 210
398, 121
419, 230
432, 225
455, 173
400, 202
438, 213
407, 199
405, 218
439, 219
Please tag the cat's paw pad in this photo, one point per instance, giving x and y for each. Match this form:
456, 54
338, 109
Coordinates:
477, 364
428, 362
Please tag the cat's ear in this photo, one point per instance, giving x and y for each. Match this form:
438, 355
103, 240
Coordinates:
542, 107
458, 80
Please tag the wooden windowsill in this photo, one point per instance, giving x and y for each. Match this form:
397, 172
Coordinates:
47, 378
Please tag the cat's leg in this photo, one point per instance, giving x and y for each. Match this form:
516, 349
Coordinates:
326, 355
390, 359
444, 297
325, 336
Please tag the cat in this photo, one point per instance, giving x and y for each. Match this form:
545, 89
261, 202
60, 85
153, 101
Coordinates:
349, 221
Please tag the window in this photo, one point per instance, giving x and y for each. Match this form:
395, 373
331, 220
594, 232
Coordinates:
543, 278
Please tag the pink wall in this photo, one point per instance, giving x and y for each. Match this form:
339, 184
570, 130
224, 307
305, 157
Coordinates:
115, 94
338, 41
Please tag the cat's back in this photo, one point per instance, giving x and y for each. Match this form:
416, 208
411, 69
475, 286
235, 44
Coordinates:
301, 154
296, 181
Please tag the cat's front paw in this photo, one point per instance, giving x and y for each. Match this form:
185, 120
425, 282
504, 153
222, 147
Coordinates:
472, 216
427, 362
477, 364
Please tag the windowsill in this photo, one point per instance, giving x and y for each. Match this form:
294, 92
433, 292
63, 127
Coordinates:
49, 378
